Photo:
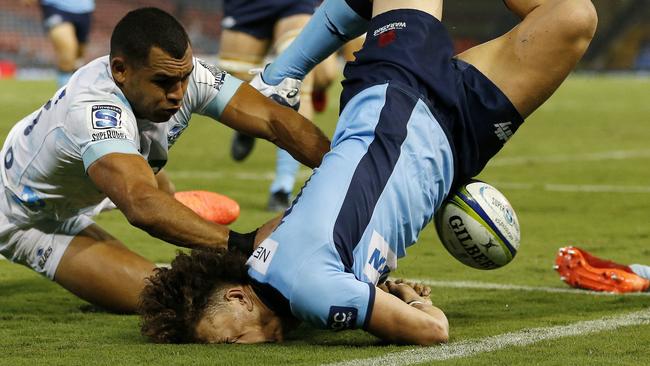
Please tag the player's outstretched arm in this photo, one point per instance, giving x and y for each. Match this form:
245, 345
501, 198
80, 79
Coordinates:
130, 183
394, 320
250, 112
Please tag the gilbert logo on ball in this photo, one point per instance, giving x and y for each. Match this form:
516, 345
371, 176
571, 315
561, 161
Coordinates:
478, 226
211, 206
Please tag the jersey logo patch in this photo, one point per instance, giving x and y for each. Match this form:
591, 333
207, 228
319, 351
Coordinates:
219, 75
105, 116
503, 131
342, 317
380, 259
262, 256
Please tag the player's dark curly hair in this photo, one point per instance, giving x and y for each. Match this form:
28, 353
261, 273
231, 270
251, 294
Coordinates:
143, 28
174, 299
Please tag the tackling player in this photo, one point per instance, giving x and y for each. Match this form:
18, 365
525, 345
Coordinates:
414, 122
106, 134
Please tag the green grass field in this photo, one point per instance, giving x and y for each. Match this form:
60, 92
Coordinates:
576, 173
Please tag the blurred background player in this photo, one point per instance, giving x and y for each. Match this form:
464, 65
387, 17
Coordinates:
254, 30
329, 70
67, 23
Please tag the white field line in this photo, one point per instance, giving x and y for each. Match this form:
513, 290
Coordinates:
494, 286
596, 156
507, 287
591, 188
521, 160
520, 338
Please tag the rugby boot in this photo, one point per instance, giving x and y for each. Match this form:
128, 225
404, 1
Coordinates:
241, 146
319, 100
278, 201
580, 269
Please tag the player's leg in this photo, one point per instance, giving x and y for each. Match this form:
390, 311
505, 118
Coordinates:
324, 74
245, 40
433, 7
100, 269
530, 62
239, 52
351, 47
286, 168
66, 49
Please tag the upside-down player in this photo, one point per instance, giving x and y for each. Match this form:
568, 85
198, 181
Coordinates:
414, 122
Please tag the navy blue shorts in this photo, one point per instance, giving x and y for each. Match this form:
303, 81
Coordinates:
412, 50
53, 16
258, 17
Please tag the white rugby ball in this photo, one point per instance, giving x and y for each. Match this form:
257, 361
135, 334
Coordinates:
478, 226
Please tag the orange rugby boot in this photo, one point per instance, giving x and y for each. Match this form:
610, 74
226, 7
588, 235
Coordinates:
580, 269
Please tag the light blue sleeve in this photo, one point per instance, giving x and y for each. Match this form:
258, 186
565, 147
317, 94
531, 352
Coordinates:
335, 301
216, 106
101, 148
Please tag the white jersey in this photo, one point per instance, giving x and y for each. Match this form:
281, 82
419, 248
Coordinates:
46, 155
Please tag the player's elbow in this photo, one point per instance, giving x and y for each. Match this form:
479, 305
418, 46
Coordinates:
434, 332
137, 211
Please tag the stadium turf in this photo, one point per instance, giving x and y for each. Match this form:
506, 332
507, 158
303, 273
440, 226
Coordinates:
576, 173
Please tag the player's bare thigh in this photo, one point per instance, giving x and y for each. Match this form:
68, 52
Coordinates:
433, 7
100, 269
530, 62
240, 52
66, 46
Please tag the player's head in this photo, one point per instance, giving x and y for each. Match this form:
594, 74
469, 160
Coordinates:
151, 61
205, 297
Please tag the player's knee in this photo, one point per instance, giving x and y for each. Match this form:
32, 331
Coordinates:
239, 68
67, 64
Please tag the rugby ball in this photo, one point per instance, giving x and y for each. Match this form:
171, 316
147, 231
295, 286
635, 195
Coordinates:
477, 225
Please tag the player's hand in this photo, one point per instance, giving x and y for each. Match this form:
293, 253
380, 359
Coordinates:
421, 289
405, 292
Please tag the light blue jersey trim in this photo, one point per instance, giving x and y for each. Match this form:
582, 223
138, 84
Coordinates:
227, 91
99, 149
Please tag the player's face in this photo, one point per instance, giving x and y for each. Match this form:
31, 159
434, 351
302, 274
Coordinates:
156, 89
238, 323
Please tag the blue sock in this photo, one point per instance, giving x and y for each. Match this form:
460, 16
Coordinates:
641, 270
332, 25
62, 78
286, 168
